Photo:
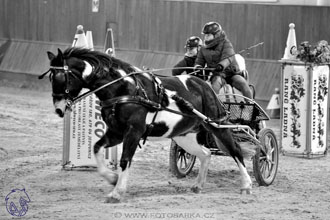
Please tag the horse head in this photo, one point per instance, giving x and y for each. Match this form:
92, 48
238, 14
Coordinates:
78, 68
66, 79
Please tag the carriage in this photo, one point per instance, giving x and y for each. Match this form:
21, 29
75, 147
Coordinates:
137, 104
247, 120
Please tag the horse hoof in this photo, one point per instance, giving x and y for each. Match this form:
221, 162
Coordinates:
196, 189
112, 178
113, 181
112, 200
246, 191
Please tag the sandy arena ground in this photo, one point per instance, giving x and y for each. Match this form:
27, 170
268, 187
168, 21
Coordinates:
31, 154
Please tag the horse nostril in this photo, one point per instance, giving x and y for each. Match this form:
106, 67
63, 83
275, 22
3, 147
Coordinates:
59, 112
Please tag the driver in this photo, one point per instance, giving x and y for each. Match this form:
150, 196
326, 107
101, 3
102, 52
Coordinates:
218, 53
192, 47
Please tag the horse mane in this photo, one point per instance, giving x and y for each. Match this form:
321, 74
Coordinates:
103, 63
100, 61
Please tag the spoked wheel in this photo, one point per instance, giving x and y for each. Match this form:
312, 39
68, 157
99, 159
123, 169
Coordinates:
181, 162
265, 162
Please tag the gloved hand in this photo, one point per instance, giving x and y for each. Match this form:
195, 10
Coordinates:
218, 68
198, 68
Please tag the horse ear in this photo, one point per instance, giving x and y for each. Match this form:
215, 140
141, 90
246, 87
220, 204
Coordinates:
59, 51
51, 56
60, 54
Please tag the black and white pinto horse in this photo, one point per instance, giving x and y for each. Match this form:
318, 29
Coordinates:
136, 105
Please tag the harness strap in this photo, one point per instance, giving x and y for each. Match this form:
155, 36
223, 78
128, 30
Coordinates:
140, 101
149, 128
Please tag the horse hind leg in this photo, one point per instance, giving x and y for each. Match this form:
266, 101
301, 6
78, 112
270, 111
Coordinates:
189, 143
226, 142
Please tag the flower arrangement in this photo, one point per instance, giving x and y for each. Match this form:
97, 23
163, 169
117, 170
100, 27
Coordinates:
318, 54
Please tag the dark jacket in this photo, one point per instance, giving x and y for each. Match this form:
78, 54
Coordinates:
185, 62
220, 50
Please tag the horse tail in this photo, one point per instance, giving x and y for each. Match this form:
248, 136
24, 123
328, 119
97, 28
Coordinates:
248, 149
245, 145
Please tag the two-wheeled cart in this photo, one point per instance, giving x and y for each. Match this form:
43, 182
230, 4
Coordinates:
246, 119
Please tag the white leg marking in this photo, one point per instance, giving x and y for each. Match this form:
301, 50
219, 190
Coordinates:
120, 187
103, 170
189, 144
246, 180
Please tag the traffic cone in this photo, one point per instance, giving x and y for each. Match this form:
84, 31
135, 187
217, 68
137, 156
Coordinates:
291, 44
80, 39
274, 107
89, 37
109, 45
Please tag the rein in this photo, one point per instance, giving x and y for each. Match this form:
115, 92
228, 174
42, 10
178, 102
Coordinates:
88, 93
82, 96
78, 98
141, 101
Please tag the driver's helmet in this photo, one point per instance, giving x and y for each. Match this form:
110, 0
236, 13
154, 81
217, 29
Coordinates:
193, 41
211, 28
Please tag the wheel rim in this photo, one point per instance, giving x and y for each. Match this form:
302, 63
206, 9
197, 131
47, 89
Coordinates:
184, 160
268, 160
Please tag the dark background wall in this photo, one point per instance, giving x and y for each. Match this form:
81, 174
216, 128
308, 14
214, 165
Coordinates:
152, 32
162, 25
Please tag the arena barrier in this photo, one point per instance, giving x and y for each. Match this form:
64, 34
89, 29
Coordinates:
83, 126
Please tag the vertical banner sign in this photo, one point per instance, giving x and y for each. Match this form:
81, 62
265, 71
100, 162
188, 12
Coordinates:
83, 127
95, 5
305, 104
294, 123
318, 115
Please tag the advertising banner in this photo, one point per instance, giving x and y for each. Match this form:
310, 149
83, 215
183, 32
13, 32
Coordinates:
294, 123
318, 115
304, 109
83, 126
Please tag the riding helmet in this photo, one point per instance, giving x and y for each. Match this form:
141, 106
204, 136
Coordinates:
193, 41
211, 28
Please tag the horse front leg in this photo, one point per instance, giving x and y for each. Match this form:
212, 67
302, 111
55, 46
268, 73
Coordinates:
131, 140
108, 140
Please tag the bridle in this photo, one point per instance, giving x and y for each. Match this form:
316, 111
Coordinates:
66, 95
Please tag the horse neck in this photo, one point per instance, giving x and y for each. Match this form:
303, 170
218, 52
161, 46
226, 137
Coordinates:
135, 85
112, 90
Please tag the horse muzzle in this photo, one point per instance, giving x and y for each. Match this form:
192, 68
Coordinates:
60, 107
